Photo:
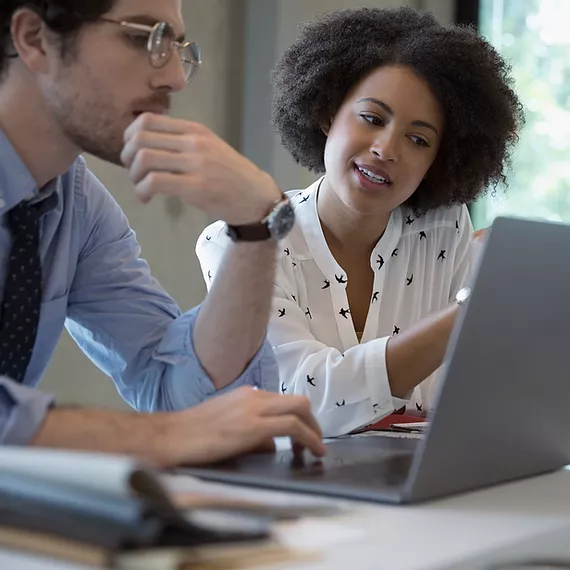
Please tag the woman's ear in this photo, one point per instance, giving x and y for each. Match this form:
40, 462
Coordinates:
326, 127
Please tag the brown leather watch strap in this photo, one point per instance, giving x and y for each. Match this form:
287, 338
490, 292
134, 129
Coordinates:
249, 232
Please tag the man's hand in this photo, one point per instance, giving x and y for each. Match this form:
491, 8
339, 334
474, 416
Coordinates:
185, 159
241, 421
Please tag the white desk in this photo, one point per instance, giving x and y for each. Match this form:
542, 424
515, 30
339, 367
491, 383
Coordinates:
524, 519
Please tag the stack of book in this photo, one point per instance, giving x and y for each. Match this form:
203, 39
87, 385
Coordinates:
111, 511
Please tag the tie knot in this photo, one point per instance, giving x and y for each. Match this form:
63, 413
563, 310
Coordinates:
23, 220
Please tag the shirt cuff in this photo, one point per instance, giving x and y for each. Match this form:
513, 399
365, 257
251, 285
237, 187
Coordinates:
400, 403
186, 383
377, 375
22, 412
378, 385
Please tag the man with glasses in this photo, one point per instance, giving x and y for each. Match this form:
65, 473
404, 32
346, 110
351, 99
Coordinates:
96, 76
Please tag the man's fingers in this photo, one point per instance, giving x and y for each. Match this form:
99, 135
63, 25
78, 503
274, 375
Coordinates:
160, 183
266, 446
149, 161
298, 405
161, 124
151, 141
297, 448
290, 425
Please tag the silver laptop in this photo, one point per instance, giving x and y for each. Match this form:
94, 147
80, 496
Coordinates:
503, 410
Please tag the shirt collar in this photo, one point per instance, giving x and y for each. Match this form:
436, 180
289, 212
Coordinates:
307, 213
17, 184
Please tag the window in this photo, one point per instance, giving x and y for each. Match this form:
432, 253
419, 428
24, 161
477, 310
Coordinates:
533, 36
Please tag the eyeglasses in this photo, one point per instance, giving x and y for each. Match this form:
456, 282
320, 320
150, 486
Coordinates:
161, 43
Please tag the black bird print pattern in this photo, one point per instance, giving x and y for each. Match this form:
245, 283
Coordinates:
316, 296
305, 199
341, 280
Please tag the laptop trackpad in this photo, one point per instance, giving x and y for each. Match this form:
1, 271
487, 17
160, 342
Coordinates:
346, 454
354, 461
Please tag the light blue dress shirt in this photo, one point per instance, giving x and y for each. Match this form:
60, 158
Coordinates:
96, 284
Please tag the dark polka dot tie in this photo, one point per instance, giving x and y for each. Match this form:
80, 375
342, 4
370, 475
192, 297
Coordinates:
20, 312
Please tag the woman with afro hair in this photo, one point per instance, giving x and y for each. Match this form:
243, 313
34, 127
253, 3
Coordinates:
407, 122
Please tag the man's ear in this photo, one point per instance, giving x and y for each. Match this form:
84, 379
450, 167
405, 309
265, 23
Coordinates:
30, 39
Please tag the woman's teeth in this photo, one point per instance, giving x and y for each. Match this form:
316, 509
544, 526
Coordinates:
373, 177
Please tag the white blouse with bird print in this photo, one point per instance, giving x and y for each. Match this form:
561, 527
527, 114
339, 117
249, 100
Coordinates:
419, 265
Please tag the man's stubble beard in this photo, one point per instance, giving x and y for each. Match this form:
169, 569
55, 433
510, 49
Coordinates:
89, 120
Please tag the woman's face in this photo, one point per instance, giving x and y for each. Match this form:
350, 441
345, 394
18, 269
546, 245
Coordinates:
383, 140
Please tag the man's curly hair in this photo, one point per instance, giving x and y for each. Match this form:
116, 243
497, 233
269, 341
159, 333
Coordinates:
467, 75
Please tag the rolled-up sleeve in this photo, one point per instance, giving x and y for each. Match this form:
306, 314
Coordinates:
186, 381
128, 325
22, 412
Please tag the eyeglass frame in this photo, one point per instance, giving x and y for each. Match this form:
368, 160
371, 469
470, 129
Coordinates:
151, 30
174, 44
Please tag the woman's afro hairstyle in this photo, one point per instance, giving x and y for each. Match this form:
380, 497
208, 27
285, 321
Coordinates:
470, 79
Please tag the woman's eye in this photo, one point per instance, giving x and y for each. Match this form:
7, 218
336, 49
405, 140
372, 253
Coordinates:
419, 141
373, 119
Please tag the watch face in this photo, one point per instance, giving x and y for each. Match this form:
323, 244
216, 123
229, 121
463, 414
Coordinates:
463, 295
281, 220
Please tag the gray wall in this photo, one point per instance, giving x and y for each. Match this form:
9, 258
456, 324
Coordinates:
240, 39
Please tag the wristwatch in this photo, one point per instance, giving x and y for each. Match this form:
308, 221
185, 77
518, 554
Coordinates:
276, 225
462, 295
